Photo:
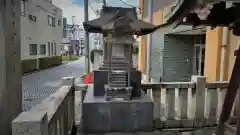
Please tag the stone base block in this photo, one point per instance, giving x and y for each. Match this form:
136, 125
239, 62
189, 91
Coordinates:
163, 123
117, 116
211, 121
198, 123
170, 123
187, 123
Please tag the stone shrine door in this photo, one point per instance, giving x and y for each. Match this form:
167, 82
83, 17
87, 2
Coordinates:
118, 50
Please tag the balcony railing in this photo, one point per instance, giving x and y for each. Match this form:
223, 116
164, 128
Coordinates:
187, 104
192, 104
54, 116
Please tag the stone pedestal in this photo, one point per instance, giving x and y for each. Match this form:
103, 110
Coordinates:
100, 115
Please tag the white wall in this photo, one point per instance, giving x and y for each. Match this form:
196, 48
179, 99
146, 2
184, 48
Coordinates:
40, 32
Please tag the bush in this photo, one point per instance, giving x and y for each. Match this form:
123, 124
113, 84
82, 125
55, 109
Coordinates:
29, 65
135, 49
47, 62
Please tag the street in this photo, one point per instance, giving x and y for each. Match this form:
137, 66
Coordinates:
39, 85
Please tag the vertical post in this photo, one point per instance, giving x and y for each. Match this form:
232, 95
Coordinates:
230, 95
87, 63
109, 62
10, 69
199, 99
104, 2
224, 47
130, 65
30, 123
200, 60
211, 107
38, 53
70, 81
183, 93
149, 44
157, 103
103, 45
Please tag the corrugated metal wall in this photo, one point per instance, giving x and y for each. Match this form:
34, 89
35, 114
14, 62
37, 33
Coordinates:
178, 57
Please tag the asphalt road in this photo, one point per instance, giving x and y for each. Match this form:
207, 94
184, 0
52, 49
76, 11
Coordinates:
39, 85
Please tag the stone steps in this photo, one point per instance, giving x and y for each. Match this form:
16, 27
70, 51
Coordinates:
118, 81
115, 62
111, 88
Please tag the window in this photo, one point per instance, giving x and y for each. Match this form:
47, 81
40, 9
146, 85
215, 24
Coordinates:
51, 21
23, 7
33, 49
54, 21
49, 49
55, 49
42, 49
199, 55
52, 48
59, 22
32, 17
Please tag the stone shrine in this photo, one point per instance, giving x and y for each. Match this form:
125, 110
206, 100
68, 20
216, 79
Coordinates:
115, 101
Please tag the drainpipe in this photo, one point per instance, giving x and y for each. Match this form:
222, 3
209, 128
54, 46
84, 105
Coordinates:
149, 41
223, 47
223, 52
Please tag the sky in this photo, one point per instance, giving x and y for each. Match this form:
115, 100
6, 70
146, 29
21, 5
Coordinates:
76, 8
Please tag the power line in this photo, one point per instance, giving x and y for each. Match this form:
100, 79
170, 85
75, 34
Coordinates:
101, 1
93, 9
130, 5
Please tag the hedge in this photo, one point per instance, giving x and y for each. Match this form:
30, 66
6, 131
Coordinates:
47, 62
29, 65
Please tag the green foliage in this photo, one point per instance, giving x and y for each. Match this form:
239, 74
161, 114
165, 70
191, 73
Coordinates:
29, 65
47, 62
135, 49
70, 58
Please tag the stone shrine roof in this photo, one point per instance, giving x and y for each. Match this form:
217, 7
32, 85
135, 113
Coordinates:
111, 16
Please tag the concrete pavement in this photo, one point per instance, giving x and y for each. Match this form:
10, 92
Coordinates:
39, 85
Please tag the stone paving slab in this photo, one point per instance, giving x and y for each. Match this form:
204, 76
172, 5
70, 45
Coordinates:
39, 85
203, 131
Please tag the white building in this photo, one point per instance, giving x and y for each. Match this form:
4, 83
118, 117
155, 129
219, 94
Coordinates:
41, 29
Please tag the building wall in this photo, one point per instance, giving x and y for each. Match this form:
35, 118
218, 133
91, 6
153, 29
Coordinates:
213, 46
165, 48
232, 46
157, 20
213, 54
172, 55
39, 31
142, 43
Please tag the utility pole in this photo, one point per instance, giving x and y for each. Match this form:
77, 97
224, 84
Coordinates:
102, 46
10, 68
104, 3
149, 41
87, 62
73, 30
